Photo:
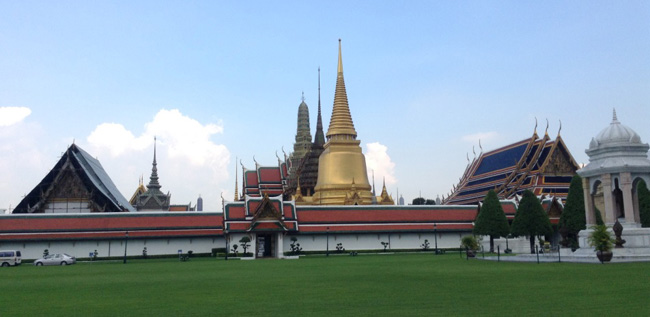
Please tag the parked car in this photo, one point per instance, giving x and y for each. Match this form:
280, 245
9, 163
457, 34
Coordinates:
10, 257
56, 259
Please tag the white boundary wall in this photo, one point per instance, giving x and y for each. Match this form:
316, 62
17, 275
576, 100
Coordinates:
115, 248
308, 242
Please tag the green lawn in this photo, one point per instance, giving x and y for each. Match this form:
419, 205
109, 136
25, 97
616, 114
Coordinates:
365, 285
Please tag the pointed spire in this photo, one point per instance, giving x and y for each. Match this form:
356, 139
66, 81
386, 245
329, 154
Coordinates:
614, 118
341, 121
153, 180
319, 138
236, 181
373, 183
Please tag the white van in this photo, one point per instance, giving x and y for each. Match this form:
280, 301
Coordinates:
10, 257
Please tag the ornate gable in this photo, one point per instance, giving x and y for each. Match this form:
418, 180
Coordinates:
68, 184
267, 217
559, 162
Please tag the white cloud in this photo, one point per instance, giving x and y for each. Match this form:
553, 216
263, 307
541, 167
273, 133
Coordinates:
377, 160
189, 163
482, 136
12, 115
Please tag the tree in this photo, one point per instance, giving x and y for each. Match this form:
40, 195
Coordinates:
419, 201
531, 220
423, 201
644, 204
573, 217
244, 243
491, 219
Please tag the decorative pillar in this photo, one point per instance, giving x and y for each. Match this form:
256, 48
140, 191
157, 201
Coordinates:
589, 203
279, 245
610, 217
628, 205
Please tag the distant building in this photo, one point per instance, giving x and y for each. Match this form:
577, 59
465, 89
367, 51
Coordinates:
199, 204
76, 184
152, 199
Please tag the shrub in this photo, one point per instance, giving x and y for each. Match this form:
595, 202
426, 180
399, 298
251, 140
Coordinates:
600, 239
295, 246
469, 242
244, 243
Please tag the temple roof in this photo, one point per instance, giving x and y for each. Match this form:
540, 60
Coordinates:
93, 176
541, 165
270, 180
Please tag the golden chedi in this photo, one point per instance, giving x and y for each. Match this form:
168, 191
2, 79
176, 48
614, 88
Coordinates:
342, 174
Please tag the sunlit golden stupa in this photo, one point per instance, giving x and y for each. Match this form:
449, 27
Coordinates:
342, 174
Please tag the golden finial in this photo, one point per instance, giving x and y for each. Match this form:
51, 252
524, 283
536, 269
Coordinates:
236, 181
546, 131
340, 68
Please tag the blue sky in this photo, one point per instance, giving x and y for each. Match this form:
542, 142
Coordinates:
219, 80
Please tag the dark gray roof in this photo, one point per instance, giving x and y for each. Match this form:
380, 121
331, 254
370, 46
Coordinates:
91, 173
100, 179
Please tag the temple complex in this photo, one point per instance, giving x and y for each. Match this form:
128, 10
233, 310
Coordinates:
319, 196
541, 165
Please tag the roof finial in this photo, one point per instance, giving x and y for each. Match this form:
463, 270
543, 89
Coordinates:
236, 181
560, 129
546, 131
614, 118
340, 68
479, 145
535, 130
303, 96
319, 138
373, 183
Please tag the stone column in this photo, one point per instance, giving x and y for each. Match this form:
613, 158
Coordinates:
628, 205
610, 217
589, 203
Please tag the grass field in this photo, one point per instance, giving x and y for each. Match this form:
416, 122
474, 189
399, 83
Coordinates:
365, 285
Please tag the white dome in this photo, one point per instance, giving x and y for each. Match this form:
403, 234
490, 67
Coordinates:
615, 133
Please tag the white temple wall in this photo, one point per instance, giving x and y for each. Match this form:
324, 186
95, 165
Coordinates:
517, 245
115, 248
372, 241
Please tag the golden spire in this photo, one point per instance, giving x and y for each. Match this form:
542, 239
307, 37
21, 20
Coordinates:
236, 183
342, 159
341, 121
